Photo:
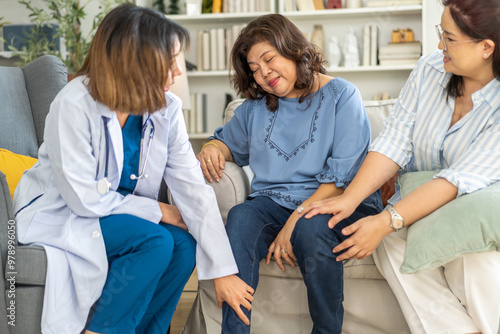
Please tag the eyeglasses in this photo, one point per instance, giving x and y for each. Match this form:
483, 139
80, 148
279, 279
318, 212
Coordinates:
439, 31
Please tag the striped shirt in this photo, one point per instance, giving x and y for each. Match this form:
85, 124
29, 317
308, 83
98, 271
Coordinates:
418, 137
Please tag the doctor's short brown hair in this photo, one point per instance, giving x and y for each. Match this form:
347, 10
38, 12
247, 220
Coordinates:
130, 57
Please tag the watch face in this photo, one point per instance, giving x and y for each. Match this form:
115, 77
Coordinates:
397, 223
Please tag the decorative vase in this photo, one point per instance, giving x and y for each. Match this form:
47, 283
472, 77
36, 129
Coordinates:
318, 37
350, 49
334, 53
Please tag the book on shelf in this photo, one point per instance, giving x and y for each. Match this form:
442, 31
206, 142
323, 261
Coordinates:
196, 117
392, 3
221, 49
199, 50
205, 51
229, 41
332, 4
398, 48
305, 5
290, 5
217, 6
199, 113
394, 54
373, 44
214, 47
370, 45
244, 6
318, 4
366, 45
399, 55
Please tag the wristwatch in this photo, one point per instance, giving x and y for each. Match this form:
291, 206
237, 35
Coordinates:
397, 222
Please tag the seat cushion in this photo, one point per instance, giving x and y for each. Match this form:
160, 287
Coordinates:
353, 269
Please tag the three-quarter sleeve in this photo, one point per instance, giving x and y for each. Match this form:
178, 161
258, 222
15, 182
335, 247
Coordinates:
351, 139
477, 166
395, 140
235, 134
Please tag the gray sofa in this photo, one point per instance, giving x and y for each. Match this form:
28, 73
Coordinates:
25, 97
280, 304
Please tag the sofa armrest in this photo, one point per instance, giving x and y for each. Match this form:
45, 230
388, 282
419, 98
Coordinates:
233, 188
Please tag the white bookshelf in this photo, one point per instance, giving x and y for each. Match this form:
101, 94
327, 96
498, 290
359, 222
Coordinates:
213, 83
371, 80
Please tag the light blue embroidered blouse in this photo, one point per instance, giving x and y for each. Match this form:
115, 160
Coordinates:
296, 148
418, 137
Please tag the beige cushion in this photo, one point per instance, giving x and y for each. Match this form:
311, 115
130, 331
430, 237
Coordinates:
377, 112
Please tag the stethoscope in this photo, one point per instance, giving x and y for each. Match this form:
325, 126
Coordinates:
103, 185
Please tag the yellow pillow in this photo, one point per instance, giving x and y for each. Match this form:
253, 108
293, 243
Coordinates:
13, 166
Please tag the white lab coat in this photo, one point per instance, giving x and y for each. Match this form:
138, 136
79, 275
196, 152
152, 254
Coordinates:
65, 218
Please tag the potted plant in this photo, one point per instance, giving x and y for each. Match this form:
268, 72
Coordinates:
65, 16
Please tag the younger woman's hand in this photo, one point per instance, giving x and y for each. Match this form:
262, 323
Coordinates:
366, 234
212, 162
236, 293
171, 215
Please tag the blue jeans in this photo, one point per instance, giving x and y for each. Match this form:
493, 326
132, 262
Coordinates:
253, 225
149, 265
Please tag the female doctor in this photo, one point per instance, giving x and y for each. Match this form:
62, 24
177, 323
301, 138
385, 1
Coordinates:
112, 134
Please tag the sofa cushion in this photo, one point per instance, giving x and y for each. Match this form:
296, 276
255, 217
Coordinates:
26, 95
13, 166
377, 112
18, 129
38, 74
361, 269
470, 224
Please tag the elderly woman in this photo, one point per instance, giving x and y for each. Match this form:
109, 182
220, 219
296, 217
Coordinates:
304, 134
447, 119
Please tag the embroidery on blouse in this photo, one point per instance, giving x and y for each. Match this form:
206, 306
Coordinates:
332, 178
303, 145
278, 195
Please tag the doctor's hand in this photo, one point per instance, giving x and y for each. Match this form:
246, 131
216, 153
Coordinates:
171, 215
367, 233
341, 207
212, 162
236, 293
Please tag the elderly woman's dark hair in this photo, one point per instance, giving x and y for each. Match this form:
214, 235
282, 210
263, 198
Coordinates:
130, 57
290, 42
479, 20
